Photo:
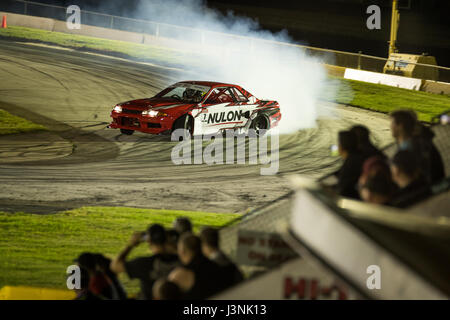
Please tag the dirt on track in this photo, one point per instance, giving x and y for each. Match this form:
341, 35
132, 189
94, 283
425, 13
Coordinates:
72, 93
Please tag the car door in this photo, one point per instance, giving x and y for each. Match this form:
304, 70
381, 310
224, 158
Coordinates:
219, 111
245, 105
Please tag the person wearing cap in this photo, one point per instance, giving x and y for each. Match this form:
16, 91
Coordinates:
150, 268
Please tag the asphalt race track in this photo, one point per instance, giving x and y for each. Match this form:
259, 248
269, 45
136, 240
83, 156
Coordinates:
84, 163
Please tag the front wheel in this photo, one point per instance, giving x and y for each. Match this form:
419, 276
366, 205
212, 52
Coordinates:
127, 132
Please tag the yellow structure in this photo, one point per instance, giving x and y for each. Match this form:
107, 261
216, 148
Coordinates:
395, 20
33, 293
403, 64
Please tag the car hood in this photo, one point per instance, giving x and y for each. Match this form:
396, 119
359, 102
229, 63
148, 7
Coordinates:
169, 106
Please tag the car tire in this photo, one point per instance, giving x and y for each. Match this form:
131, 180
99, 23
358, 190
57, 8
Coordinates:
261, 122
185, 122
127, 132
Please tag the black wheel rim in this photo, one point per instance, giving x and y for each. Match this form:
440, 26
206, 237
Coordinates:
260, 124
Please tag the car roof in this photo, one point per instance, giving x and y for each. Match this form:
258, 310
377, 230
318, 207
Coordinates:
210, 83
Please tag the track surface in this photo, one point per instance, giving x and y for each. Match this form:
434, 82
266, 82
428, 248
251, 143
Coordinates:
73, 93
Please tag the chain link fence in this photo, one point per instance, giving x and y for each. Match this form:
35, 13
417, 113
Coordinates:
205, 37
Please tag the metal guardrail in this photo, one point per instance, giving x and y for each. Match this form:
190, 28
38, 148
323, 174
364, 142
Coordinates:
204, 37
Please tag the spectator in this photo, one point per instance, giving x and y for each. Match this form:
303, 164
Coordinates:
166, 290
147, 269
172, 241
99, 284
375, 183
199, 277
403, 127
83, 293
372, 166
210, 247
378, 189
103, 264
350, 171
182, 225
437, 171
364, 145
412, 135
406, 173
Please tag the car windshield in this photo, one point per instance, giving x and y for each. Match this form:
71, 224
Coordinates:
185, 92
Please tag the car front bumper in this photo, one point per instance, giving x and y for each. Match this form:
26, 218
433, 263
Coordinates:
141, 123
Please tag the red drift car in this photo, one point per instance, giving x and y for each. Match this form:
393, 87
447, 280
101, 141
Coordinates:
198, 106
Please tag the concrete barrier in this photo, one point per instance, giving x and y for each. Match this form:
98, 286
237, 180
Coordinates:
28, 21
381, 78
99, 32
436, 87
335, 71
91, 31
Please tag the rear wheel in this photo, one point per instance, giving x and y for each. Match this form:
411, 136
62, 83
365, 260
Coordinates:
127, 132
260, 124
186, 123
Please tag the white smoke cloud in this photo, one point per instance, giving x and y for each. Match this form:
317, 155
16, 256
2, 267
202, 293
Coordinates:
251, 59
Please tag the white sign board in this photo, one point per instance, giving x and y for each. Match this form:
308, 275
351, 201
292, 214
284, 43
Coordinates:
296, 279
354, 254
382, 78
262, 249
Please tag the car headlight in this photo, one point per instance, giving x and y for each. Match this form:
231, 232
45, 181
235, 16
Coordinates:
153, 113
118, 109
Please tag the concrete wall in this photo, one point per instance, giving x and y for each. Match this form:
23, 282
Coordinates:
436, 87
98, 32
28, 21
335, 70
60, 26
381, 78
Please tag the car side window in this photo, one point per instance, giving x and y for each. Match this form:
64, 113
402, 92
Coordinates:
239, 96
219, 95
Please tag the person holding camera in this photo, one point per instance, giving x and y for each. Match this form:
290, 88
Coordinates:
150, 268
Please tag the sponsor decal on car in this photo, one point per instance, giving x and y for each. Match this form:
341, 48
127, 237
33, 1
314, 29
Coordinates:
219, 117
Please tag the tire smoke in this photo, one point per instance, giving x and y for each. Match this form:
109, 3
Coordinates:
251, 57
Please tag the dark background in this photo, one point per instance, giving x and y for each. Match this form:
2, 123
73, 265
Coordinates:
333, 24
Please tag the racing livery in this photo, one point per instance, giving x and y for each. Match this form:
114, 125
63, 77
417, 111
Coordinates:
200, 107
